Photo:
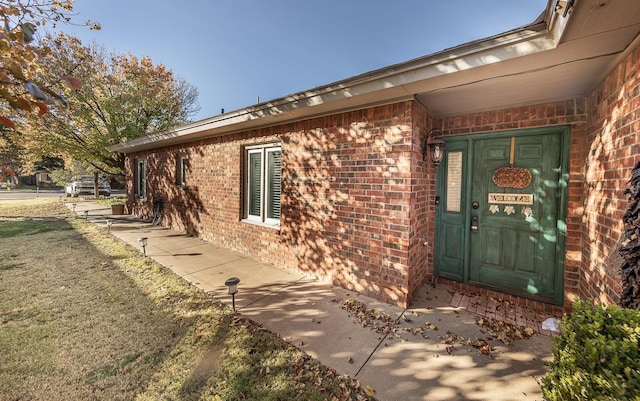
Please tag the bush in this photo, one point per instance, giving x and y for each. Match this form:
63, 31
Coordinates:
596, 355
114, 200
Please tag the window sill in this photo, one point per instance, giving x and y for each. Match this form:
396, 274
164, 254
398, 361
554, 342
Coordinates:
261, 224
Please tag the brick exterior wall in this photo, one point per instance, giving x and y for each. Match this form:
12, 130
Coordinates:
348, 197
358, 200
421, 207
612, 147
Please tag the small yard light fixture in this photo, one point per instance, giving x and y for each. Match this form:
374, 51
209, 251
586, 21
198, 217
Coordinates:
86, 215
232, 284
73, 207
143, 244
434, 145
109, 224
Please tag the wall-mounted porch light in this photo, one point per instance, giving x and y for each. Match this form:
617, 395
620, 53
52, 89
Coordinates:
143, 244
434, 145
232, 284
564, 7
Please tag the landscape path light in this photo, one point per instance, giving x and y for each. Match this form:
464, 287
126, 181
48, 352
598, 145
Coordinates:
232, 284
86, 215
143, 244
73, 207
109, 224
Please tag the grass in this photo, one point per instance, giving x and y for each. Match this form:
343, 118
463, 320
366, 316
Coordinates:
84, 317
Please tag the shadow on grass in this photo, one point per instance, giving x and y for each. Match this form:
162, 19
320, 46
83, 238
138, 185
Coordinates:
99, 321
94, 325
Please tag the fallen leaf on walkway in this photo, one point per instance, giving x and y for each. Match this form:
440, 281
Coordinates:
369, 391
430, 326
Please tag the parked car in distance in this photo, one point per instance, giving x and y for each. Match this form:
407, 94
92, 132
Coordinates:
83, 185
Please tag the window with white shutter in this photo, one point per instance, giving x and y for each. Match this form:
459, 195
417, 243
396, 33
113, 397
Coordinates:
263, 183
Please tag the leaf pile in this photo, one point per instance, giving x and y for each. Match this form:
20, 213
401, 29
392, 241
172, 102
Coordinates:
422, 330
378, 321
383, 323
481, 344
504, 332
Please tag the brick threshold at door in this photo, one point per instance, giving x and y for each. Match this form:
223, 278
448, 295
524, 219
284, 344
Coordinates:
504, 311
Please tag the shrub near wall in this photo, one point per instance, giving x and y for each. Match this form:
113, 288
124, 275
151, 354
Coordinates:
596, 355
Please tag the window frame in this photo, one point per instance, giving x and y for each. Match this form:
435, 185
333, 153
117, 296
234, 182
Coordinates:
264, 150
181, 170
140, 179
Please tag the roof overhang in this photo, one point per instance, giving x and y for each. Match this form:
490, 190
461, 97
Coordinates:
556, 57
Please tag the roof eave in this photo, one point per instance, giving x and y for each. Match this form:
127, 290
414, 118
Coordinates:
395, 82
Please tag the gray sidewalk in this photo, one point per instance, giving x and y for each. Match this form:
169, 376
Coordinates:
430, 354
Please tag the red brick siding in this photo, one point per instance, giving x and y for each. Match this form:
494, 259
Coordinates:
348, 186
612, 149
358, 200
422, 209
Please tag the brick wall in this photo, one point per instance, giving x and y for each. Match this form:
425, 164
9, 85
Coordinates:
358, 200
421, 207
347, 195
612, 149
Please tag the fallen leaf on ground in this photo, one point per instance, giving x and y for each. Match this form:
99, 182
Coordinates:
369, 391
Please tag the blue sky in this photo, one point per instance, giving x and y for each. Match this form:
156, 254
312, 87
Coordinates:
235, 51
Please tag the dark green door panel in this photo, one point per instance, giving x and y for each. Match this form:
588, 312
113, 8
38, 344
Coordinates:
517, 248
451, 238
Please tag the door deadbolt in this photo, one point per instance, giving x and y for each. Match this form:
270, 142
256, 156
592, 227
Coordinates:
474, 223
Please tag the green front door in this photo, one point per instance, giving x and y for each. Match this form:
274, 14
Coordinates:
501, 230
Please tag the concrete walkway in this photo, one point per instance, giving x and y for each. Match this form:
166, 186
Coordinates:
429, 353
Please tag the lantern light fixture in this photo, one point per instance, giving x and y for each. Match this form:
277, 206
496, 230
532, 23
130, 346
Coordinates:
434, 145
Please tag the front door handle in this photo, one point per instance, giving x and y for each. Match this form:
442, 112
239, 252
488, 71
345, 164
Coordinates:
474, 223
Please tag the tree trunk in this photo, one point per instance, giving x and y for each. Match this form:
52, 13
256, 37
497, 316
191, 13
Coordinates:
96, 188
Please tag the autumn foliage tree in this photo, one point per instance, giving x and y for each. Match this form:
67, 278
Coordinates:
26, 85
122, 97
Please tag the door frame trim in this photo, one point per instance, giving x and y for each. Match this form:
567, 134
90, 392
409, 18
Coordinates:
564, 133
